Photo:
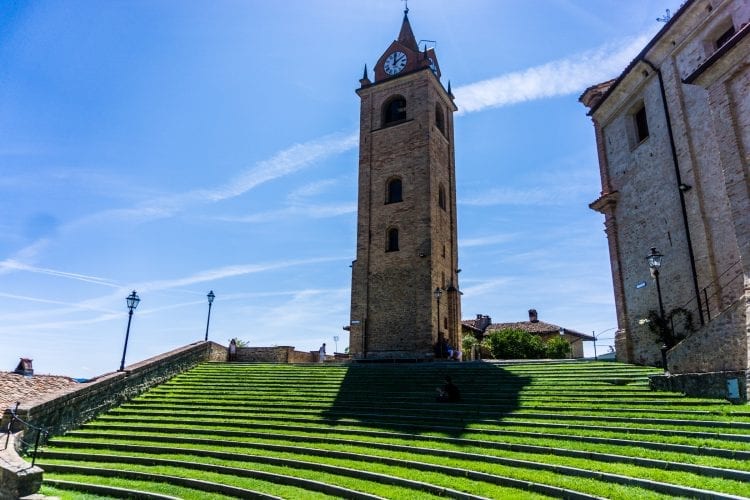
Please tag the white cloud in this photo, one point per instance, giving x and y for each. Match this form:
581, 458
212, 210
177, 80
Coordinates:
297, 211
485, 240
14, 265
561, 77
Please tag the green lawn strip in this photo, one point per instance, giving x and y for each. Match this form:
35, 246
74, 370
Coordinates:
583, 434
409, 469
374, 487
248, 483
479, 445
529, 419
162, 488
474, 462
63, 494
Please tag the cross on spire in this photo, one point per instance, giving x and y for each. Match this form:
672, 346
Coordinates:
406, 6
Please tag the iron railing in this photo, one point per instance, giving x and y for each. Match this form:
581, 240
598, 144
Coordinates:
714, 295
39, 431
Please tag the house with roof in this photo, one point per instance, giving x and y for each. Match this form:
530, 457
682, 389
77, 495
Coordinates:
483, 324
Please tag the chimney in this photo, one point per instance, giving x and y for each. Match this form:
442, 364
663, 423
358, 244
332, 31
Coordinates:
482, 322
533, 318
24, 368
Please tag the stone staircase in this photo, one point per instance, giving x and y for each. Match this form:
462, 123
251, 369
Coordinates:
521, 430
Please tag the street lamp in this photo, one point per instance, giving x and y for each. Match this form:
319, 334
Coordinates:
437, 293
336, 344
132, 301
593, 334
654, 263
211, 296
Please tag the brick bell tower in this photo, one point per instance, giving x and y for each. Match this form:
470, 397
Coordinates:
405, 279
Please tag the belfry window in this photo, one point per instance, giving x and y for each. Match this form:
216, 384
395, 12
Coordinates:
393, 191
392, 243
441, 197
394, 110
439, 119
724, 37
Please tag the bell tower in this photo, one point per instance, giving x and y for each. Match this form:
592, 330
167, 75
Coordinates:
405, 279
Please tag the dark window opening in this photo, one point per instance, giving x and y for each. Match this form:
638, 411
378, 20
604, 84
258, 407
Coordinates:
439, 118
392, 245
393, 191
395, 110
445, 323
724, 37
441, 197
641, 124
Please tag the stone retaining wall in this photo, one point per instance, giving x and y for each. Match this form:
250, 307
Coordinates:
712, 385
279, 354
80, 404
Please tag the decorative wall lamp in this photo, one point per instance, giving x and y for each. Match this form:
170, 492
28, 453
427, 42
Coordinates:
654, 264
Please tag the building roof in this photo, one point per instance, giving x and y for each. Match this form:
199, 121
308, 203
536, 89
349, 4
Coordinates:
471, 325
17, 388
641, 56
539, 328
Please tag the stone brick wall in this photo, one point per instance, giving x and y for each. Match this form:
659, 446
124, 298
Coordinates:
393, 310
69, 410
683, 189
706, 385
280, 354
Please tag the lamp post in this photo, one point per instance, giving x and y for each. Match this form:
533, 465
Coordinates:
132, 301
437, 293
336, 344
211, 296
654, 263
593, 334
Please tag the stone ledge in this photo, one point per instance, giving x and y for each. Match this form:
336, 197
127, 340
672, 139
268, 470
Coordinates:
17, 477
710, 384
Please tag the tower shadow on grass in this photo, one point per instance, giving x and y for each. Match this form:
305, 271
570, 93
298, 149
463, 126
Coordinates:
402, 397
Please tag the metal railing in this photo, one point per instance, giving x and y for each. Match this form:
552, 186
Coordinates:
39, 431
713, 295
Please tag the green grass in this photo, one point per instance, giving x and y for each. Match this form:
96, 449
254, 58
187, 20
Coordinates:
383, 419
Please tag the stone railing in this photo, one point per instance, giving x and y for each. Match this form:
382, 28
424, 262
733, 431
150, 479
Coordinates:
80, 404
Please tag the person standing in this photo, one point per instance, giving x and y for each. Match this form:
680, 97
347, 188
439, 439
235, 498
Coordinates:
322, 353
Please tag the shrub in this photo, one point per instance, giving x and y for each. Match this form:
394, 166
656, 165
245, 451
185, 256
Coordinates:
557, 348
513, 343
468, 342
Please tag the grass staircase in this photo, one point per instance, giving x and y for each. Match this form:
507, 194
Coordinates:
528, 430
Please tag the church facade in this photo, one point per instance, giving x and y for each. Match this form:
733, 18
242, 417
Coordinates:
405, 277
673, 136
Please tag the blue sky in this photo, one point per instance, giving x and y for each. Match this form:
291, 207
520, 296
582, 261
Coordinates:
180, 147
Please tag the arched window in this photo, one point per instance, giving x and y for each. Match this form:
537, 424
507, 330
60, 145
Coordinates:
394, 110
439, 118
441, 197
392, 243
393, 191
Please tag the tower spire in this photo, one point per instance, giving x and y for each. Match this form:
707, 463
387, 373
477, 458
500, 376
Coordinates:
406, 35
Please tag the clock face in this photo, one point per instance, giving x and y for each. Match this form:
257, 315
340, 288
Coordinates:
395, 63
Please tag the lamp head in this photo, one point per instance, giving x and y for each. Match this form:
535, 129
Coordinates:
654, 259
211, 296
132, 300
437, 293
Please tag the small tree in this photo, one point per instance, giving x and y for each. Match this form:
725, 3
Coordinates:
513, 343
670, 330
557, 348
468, 343
240, 343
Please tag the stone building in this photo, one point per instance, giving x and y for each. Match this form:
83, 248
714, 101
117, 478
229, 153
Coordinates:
404, 279
483, 323
673, 139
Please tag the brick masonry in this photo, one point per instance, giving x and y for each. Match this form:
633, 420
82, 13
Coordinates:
72, 406
393, 311
683, 189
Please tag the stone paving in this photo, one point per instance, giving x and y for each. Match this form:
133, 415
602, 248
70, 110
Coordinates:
14, 387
